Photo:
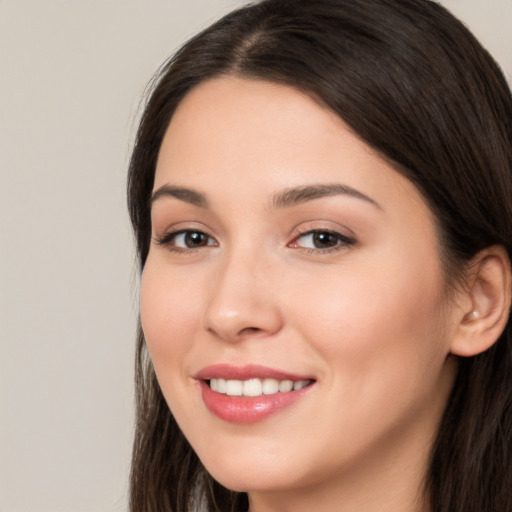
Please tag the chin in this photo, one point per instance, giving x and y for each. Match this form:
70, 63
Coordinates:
238, 474
241, 477
255, 481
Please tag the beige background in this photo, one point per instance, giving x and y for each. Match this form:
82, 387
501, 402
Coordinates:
71, 76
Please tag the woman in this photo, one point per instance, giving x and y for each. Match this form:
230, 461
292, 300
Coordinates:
321, 196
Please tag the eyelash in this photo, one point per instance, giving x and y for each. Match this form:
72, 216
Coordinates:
343, 241
168, 238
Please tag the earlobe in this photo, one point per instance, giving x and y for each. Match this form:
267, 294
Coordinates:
486, 312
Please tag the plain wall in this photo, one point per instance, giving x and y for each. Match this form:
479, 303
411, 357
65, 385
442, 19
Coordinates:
72, 73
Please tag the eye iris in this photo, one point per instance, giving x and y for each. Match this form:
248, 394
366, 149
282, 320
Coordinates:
324, 239
195, 239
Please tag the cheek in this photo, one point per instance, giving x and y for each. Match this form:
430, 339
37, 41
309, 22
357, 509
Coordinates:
169, 312
379, 343
375, 319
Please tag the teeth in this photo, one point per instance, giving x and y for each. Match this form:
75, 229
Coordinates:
300, 384
221, 386
252, 387
256, 387
234, 387
270, 386
285, 386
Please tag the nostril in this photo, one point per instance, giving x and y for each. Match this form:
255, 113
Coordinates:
249, 330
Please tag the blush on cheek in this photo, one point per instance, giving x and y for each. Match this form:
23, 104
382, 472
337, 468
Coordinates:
370, 313
170, 316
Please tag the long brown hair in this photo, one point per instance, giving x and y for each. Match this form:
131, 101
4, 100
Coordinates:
413, 83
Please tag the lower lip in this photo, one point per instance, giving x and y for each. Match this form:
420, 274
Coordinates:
251, 409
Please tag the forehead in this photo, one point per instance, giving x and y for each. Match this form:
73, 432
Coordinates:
269, 137
248, 118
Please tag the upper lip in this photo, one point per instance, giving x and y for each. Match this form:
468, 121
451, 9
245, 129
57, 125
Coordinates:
230, 372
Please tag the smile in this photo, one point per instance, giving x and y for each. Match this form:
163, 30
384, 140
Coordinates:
251, 393
256, 387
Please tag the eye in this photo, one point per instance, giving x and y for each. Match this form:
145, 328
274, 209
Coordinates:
322, 240
191, 239
186, 239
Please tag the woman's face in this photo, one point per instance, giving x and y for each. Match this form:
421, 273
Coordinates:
286, 254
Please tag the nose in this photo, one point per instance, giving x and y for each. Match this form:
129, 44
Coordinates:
242, 301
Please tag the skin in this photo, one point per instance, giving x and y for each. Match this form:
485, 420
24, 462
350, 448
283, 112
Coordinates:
370, 320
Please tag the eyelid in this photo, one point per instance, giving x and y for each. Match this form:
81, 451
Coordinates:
171, 233
306, 229
345, 240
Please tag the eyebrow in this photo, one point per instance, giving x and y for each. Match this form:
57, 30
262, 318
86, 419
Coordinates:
299, 195
286, 199
183, 194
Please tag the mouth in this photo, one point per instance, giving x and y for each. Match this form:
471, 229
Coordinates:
250, 394
256, 387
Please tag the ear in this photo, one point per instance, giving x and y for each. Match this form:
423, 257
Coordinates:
485, 303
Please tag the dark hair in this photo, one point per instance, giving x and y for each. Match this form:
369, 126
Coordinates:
414, 84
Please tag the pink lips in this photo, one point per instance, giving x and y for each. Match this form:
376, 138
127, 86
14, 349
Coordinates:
241, 409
